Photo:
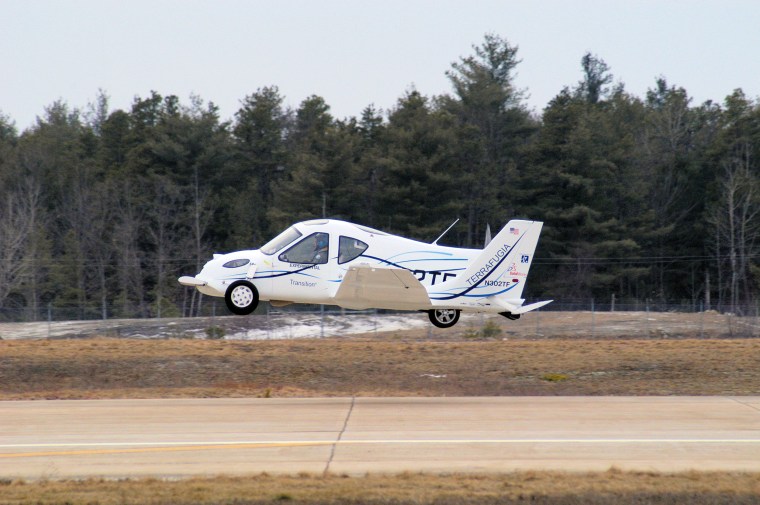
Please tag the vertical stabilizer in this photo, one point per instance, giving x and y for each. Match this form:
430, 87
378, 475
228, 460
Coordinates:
500, 270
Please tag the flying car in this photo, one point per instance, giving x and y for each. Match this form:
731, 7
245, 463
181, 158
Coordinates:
332, 262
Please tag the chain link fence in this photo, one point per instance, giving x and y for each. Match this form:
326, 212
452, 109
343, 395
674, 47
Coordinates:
566, 319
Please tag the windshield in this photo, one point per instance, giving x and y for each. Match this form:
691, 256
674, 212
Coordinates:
281, 241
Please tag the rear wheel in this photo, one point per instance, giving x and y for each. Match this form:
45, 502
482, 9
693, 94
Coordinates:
241, 298
443, 318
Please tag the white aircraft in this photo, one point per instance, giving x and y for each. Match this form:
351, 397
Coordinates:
334, 262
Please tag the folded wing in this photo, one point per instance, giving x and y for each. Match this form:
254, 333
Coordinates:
365, 286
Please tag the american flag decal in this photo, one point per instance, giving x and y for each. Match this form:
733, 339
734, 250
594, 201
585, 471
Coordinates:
514, 231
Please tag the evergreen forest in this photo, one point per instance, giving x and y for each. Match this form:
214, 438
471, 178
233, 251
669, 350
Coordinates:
653, 199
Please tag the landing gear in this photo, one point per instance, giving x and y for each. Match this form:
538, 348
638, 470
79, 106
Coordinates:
241, 298
443, 318
510, 316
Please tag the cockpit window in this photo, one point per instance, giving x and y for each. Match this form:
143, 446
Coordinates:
280, 241
313, 250
349, 249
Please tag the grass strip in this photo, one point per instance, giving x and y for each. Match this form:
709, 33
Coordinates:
613, 486
127, 368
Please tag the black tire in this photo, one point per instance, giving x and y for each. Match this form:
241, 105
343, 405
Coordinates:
443, 318
241, 298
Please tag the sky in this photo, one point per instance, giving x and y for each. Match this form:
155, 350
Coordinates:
354, 53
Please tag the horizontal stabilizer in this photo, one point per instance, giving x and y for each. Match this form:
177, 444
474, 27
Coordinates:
532, 306
365, 286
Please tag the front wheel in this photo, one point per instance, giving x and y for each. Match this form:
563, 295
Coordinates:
241, 298
443, 318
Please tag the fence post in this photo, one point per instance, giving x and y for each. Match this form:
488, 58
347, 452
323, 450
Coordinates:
701, 319
612, 307
593, 319
50, 318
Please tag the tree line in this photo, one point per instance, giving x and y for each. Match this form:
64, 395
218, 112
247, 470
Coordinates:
648, 198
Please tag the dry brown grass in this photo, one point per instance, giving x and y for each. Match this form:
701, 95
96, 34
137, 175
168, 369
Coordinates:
535, 487
124, 368
400, 364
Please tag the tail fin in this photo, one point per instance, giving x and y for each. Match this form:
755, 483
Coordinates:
500, 270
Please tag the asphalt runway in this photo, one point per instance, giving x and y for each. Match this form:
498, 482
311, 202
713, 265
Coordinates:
177, 438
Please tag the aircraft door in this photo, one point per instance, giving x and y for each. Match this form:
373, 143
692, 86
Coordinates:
302, 270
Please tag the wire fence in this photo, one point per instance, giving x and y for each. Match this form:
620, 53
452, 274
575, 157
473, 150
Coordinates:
575, 319
212, 307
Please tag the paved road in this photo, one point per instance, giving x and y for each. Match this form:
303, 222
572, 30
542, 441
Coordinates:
119, 438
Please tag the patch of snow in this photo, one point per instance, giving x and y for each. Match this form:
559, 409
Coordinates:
286, 327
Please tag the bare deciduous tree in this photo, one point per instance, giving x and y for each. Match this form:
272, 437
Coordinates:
18, 215
736, 224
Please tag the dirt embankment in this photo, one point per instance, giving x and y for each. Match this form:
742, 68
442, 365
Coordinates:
125, 368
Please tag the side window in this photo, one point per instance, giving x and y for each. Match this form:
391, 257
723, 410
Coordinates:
314, 249
349, 249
